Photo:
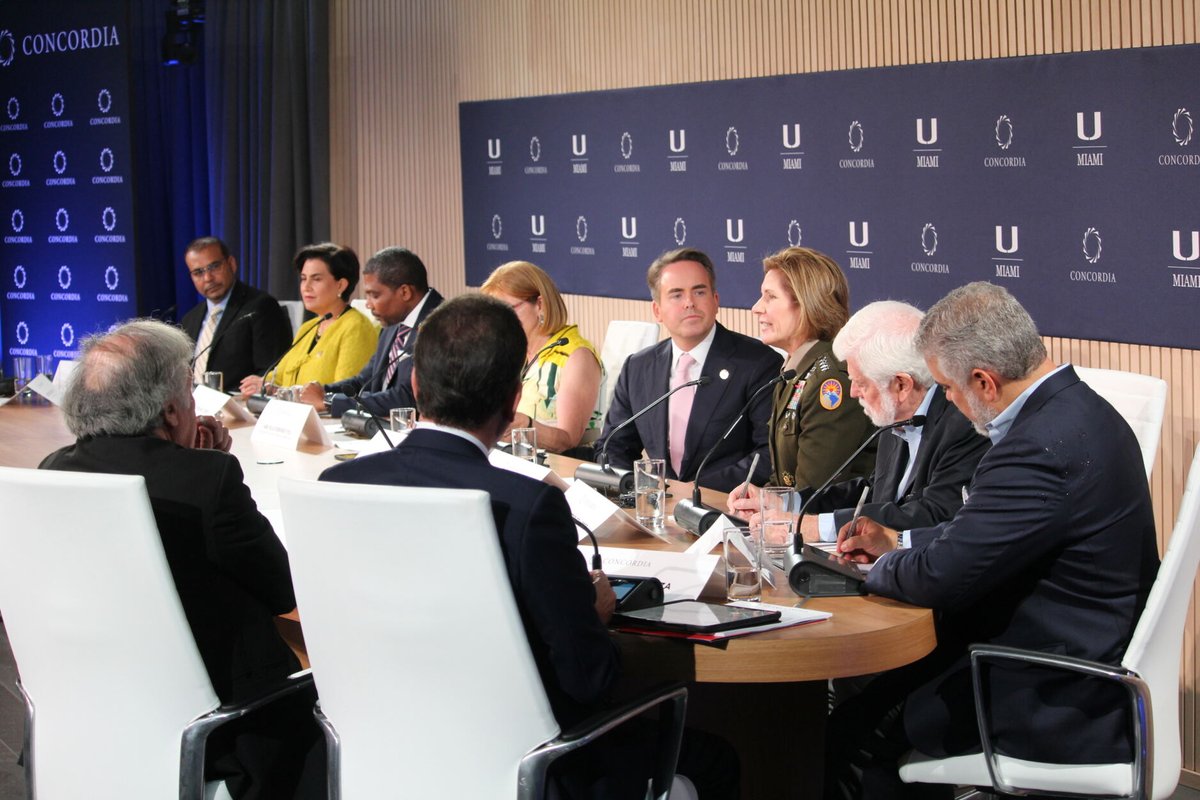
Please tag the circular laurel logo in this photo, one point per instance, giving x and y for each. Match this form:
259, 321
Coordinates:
108, 218
106, 160
795, 234
581, 229
60, 162
8, 48
626, 145
111, 277
13, 108
1181, 127
67, 334
855, 136
19, 277
1092, 245
535, 148
929, 239
14, 164
17, 220
497, 226
64, 277
104, 101
22, 333
62, 220
1004, 132
732, 142
680, 231
57, 104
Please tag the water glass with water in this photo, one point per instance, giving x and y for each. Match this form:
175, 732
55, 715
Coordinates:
650, 491
524, 443
402, 419
214, 380
778, 521
22, 374
743, 562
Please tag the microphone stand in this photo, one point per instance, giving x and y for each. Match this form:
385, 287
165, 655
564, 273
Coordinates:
603, 477
257, 402
361, 421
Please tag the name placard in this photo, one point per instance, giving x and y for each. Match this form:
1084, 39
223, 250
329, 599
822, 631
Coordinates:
210, 402
286, 424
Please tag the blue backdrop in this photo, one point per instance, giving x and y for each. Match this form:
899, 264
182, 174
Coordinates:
67, 265
1074, 180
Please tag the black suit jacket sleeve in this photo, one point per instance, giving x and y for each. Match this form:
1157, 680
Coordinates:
624, 447
731, 461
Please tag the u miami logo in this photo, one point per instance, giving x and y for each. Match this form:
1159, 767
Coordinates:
1177, 241
730, 236
791, 142
1081, 126
537, 224
493, 147
579, 144
628, 228
678, 146
1013, 245
921, 137
866, 234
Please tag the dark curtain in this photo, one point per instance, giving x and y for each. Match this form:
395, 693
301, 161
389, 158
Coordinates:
235, 145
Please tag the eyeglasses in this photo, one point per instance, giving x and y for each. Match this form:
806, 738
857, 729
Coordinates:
518, 304
197, 274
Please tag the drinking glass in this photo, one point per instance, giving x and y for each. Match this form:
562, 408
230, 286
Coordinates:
215, 380
524, 443
743, 563
403, 419
778, 521
650, 491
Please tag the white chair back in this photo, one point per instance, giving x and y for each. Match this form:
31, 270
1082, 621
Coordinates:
623, 339
359, 304
1140, 399
415, 642
1155, 648
103, 649
295, 312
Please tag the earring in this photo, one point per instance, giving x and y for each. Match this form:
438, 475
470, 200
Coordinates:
541, 320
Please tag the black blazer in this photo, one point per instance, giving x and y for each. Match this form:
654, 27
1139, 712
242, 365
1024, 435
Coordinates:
576, 658
377, 398
946, 459
745, 363
229, 567
244, 348
1054, 550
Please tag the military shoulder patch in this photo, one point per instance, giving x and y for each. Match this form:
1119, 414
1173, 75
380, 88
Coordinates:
831, 394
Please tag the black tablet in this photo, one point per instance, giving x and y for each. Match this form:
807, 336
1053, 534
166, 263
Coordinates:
693, 616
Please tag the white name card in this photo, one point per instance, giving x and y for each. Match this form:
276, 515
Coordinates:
285, 424
683, 576
210, 402
46, 388
599, 513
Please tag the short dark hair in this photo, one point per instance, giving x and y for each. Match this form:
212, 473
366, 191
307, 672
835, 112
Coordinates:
468, 361
205, 242
397, 266
654, 274
342, 262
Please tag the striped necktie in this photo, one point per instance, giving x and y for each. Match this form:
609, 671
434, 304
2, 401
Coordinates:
203, 343
398, 343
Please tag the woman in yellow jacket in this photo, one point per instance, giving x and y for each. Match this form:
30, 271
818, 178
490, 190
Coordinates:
340, 340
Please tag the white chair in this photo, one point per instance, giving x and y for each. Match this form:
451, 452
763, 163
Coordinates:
360, 304
295, 312
117, 699
1140, 399
623, 339
1149, 670
418, 651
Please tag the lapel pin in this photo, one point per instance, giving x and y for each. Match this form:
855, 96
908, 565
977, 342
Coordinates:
723, 374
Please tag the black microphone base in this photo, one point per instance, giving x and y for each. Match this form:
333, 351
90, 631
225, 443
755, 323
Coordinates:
255, 403
809, 579
695, 518
605, 479
360, 423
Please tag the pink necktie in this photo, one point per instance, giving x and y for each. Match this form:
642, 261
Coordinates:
680, 410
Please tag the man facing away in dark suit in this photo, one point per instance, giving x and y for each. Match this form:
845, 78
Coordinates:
397, 289
1053, 549
920, 471
683, 429
130, 405
238, 330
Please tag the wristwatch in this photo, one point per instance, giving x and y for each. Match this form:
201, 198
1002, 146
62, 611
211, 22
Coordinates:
329, 399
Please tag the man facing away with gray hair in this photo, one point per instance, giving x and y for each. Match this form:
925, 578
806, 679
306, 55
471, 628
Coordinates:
920, 471
130, 405
1053, 550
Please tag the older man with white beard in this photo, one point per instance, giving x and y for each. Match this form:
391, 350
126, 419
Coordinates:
920, 471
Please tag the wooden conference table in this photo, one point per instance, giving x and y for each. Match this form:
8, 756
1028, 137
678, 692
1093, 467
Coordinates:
765, 692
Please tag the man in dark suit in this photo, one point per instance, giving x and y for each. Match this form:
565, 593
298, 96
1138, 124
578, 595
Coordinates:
683, 429
920, 472
1054, 550
397, 289
238, 330
130, 405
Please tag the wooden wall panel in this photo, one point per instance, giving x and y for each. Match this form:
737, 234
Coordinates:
400, 67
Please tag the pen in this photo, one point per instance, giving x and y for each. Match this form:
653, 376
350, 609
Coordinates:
750, 472
862, 499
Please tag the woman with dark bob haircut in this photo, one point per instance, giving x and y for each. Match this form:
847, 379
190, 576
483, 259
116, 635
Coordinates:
340, 340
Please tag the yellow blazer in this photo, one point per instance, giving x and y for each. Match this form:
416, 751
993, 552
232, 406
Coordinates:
341, 352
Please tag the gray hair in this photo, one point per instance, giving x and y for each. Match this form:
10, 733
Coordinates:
125, 377
881, 336
981, 326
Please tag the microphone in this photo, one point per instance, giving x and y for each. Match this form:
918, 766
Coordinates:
692, 515
792, 558
559, 342
256, 403
167, 313
600, 475
219, 337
